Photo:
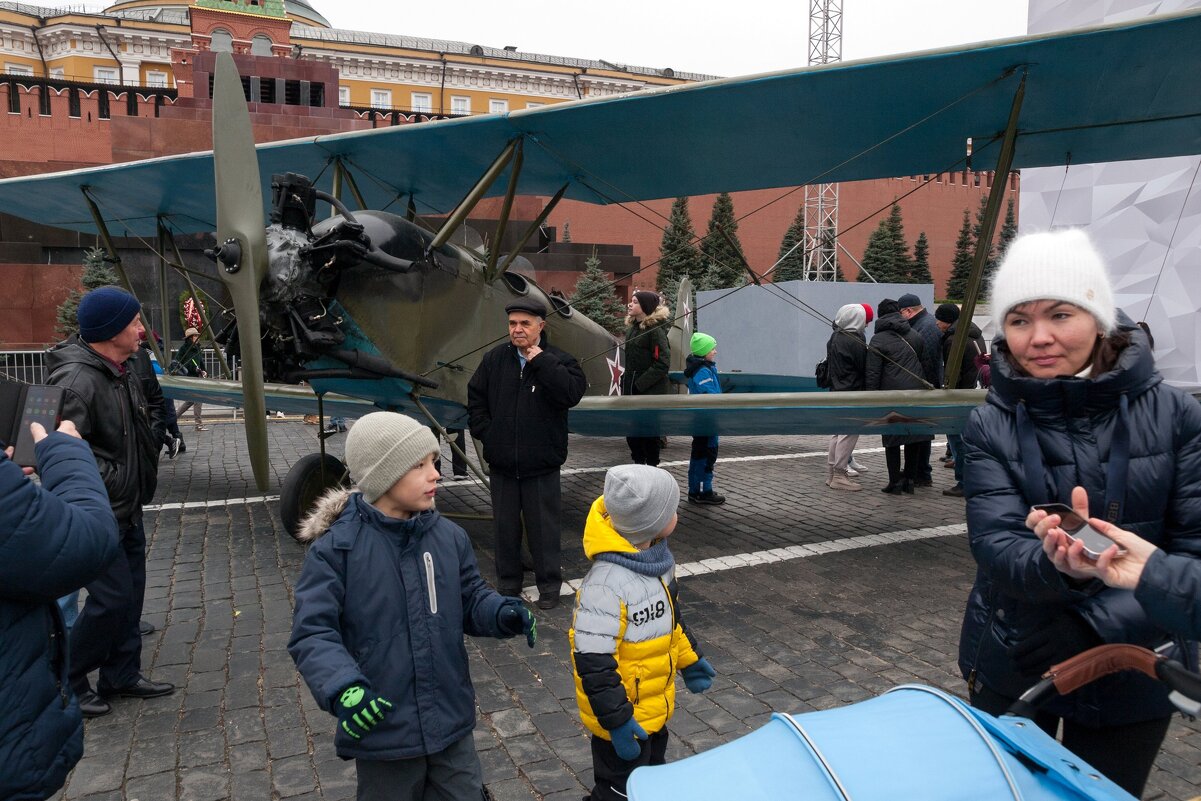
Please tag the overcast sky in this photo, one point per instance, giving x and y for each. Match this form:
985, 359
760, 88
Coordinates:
739, 38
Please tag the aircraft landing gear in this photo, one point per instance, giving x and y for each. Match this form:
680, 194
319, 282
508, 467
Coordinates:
307, 481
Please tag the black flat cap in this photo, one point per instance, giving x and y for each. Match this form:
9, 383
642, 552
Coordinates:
527, 305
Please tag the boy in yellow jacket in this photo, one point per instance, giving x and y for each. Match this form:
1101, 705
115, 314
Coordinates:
627, 637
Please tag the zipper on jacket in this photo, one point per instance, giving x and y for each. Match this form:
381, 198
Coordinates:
637, 689
430, 584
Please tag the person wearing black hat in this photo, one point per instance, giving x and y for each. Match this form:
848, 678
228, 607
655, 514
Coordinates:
894, 361
947, 317
922, 322
648, 359
103, 397
517, 404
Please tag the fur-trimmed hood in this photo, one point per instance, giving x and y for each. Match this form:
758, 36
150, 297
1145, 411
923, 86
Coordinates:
657, 317
329, 508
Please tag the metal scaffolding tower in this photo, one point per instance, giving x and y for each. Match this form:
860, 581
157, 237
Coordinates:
821, 200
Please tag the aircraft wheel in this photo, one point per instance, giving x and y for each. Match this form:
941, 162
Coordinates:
307, 481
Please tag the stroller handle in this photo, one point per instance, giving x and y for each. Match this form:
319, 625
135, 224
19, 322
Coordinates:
1089, 665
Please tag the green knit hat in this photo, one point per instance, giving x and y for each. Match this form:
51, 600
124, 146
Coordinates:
702, 344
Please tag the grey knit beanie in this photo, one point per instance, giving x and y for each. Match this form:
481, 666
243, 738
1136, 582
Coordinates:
640, 500
381, 447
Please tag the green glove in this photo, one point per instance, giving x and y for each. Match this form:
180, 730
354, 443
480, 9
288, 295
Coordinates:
514, 618
359, 711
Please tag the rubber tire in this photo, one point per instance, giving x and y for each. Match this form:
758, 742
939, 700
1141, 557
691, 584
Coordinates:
304, 485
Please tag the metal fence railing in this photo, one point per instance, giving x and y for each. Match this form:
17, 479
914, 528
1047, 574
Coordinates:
29, 366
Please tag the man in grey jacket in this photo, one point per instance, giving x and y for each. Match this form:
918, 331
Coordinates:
103, 397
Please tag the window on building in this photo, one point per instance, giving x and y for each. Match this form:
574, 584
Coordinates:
460, 105
343, 95
381, 98
422, 102
260, 45
58, 73
155, 78
534, 105
18, 69
221, 42
498, 106
106, 75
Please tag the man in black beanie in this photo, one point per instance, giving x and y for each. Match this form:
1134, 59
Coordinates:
103, 396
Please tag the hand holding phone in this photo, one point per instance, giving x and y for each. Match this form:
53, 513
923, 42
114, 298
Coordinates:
1078, 529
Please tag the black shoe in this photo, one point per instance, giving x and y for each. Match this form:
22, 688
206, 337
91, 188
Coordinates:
955, 491
145, 628
183, 446
907, 486
93, 706
893, 488
173, 449
711, 498
694, 497
922, 482
142, 688
548, 600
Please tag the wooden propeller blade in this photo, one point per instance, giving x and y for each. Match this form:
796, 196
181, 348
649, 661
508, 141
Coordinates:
242, 244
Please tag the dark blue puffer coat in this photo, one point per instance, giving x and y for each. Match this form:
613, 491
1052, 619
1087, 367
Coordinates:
384, 603
1134, 443
53, 540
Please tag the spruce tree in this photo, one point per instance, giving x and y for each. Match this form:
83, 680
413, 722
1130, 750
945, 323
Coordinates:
96, 273
678, 255
990, 258
791, 266
594, 297
722, 260
961, 262
886, 257
1009, 231
919, 268
897, 244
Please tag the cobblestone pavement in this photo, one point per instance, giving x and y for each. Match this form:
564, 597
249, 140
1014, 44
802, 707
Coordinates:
851, 594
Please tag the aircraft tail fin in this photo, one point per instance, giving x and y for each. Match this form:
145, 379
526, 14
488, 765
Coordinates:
683, 324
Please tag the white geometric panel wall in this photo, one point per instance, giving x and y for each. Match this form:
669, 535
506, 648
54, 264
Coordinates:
1145, 216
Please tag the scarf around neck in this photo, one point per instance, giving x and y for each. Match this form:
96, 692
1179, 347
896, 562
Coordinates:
654, 561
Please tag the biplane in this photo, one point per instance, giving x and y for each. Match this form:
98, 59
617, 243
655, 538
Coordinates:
371, 310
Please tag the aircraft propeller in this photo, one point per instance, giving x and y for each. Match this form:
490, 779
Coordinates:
241, 252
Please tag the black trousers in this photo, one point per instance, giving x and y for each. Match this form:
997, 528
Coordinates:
611, 772
105, 635
536, 501
1125, 754
644, 450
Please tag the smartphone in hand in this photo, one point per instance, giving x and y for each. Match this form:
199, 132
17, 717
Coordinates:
1077, 528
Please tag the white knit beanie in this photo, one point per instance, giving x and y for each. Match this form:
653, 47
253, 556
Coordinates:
381, 447
640, 500
1054, 265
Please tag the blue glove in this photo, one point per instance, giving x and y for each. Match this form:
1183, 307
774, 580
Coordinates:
626, 737
359, 711
514, 618
698, 676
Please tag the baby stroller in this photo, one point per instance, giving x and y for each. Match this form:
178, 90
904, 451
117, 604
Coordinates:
914, 742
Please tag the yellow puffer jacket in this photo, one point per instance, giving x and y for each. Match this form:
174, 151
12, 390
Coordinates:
627, 639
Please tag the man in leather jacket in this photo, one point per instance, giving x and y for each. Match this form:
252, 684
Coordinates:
103, 396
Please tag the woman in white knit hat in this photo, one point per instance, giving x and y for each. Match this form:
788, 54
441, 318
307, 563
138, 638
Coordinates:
1076, 414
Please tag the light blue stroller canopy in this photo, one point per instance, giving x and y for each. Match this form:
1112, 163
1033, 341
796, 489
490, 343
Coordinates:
913, 743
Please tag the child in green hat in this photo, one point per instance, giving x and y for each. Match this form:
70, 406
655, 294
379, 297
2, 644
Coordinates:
701, 372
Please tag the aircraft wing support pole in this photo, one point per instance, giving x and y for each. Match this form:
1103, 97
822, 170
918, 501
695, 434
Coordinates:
988, 225
502, 224
453, 445
98, 218
336, 189
163, 263
468, 203
352, 186
534, 226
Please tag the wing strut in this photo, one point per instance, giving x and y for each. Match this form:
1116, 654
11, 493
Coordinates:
208, 331
502, 224
988, 225
115, 258
468, 203
534, 226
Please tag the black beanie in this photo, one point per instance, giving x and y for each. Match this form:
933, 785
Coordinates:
649, 301
947, 313
887, 306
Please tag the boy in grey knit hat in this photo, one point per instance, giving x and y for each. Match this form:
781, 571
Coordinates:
628, 637
388, 589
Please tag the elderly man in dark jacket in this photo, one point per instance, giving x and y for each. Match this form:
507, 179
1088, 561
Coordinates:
923, 323
894, 361
517, 404
53, 539
103, 396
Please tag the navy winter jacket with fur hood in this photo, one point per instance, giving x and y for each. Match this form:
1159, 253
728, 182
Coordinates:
53, 540
1134, 443
385, 603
